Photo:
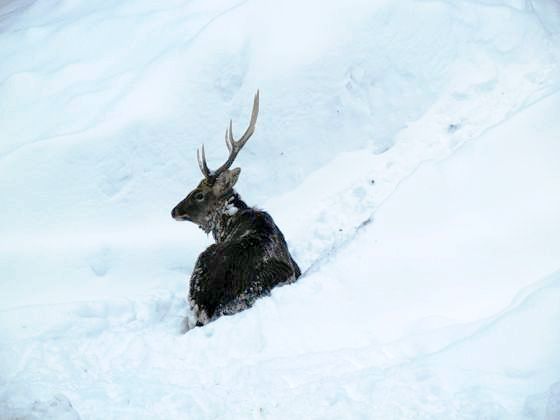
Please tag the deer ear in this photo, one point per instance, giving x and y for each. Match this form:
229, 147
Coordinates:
225, 181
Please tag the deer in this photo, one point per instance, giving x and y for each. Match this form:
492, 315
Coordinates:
249, 256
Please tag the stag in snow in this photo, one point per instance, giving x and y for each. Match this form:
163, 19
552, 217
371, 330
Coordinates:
250, 255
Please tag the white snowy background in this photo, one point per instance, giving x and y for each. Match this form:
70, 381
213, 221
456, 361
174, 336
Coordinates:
408, 149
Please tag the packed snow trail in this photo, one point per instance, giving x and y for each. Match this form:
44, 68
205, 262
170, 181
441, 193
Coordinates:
409, 154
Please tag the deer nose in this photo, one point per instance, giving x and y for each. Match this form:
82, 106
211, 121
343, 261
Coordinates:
178, 216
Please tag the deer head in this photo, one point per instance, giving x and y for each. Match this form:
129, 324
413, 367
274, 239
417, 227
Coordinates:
208, 198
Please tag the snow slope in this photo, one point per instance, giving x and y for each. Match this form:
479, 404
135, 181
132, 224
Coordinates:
407, 149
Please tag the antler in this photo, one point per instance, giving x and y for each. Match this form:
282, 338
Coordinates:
233, 146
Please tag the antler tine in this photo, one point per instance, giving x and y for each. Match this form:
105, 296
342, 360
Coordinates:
251, 129
228, 144
202, 163
235, 146
230, 133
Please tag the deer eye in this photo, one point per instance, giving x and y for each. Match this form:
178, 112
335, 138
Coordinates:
199, 196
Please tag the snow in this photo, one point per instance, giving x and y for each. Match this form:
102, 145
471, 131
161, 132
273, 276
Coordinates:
408, 150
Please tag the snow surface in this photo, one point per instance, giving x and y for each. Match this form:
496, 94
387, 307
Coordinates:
407, 149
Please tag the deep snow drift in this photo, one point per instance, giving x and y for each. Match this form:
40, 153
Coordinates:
407, 149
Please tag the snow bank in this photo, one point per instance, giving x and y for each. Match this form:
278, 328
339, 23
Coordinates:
408, 150
104, 105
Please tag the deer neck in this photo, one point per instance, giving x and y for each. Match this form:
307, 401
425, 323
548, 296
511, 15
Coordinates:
222, 221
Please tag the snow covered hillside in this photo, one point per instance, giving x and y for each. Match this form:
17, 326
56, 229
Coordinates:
408, 149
